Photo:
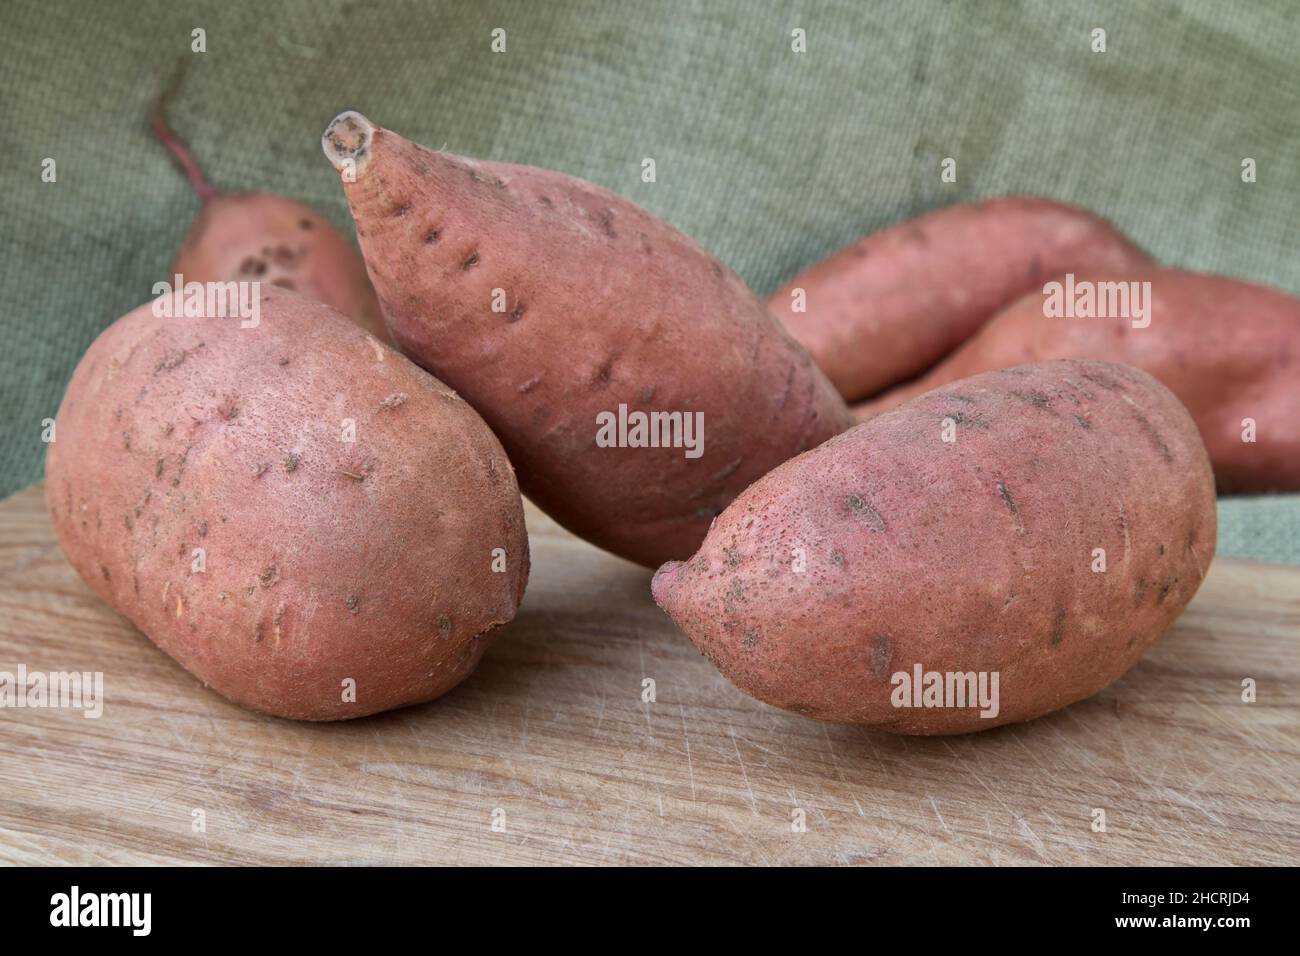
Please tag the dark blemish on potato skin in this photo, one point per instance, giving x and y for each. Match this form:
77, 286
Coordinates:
750, 638
169, 429
261, 470
285, 257
305, 224
471, 262
859, 506
1165, 589
647, 393
431, 236
545, 200
291, 463
1139, 591
604, 374
252, 266
104, 572
1036, 399
1162, 549
286, 284
882, 653
954, 397
961, 418
516, 313
171, 360
1010, 502
837, 559
1083, 422
1057, 626
353, 603
268, 576
607, 223
400, 210
284, 360
1153, 434
444, 627
1104, 381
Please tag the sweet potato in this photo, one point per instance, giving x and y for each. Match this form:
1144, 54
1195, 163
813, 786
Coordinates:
551, 304
889, 306
263, 237
287, 507
1229, 350
959, 534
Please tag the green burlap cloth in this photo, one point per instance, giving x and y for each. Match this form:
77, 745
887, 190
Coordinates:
768, 157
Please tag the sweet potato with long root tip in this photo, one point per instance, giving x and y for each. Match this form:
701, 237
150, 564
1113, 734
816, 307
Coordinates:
264, 237
1230, 350
888, 307
1024, 535
300, 516
554, 307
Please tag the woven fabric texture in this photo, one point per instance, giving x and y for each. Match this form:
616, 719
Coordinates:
769, 157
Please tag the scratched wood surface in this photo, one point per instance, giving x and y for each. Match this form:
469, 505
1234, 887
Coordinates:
551, 735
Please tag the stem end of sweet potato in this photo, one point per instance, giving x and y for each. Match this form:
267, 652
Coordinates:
346, 141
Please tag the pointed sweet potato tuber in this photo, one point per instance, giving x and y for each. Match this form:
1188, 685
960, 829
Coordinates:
1041, 526
258, 236
1230, 351
552, 304
889, 306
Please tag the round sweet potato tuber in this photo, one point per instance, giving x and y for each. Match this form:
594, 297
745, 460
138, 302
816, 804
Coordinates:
1044, 524
889, 306
287, 507
263, 237
552, 306
1229, 350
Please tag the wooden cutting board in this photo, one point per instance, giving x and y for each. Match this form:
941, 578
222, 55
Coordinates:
551, 739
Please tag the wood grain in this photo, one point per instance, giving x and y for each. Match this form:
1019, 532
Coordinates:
552, 731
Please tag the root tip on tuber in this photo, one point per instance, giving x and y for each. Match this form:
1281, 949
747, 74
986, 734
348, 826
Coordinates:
346, 141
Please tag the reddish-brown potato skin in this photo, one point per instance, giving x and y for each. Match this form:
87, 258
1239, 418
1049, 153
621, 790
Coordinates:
325, 559
892, 304
246, 237
1229, 350
604, 304
974, 555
